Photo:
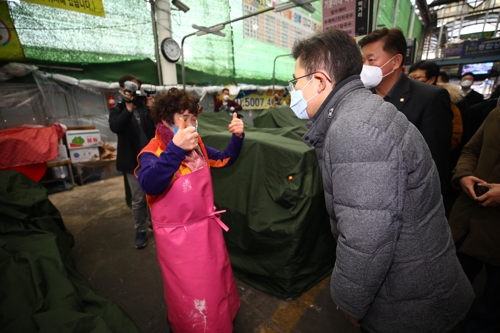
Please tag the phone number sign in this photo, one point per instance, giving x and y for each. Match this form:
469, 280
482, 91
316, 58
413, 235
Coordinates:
252, 102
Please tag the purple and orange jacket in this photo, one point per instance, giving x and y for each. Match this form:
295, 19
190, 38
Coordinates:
159, 162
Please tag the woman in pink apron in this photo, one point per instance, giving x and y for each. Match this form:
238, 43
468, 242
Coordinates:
174, 172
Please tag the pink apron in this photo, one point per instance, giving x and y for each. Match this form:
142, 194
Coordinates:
200, 291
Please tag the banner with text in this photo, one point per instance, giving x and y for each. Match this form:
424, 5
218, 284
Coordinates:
91, 7
352, 16
453, 50
259, 100
10, 47
482, 47
278, 29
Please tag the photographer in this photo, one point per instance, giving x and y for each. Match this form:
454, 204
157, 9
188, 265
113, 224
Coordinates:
278, 100
131, 121
474, 220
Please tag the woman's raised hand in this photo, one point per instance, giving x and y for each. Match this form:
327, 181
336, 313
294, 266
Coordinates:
236, 126
186, 137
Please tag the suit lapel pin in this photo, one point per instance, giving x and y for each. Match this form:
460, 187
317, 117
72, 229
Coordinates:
401, 100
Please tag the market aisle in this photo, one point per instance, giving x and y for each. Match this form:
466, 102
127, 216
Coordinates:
98, 217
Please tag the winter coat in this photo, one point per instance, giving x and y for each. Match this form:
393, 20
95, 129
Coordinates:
123, 123
428, 108
479, 225
230, 104
396, 268
473, 97
455, 98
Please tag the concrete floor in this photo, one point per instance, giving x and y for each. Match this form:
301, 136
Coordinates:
99, 219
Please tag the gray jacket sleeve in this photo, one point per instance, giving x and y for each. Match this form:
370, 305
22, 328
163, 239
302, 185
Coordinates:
365, 167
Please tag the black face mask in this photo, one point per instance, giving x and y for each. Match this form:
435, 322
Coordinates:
276, 99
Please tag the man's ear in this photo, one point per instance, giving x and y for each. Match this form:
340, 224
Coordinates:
432, 80
398, 61
324, 80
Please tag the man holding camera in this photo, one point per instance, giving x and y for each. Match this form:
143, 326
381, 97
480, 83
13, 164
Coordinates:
131, 121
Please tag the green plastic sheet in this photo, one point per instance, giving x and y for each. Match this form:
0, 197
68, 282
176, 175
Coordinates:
279, 239
40, 288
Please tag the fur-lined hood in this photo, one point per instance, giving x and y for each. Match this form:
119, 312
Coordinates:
453, 90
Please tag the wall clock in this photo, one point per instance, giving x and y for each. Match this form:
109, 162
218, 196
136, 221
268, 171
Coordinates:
170, 49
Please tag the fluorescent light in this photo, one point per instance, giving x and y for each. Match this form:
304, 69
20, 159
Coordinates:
217, 27
218, 33
284, 6
305, 4
309, 8
296, 3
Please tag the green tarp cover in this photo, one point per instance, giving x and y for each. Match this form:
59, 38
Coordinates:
280, 117
40, 288
279, 237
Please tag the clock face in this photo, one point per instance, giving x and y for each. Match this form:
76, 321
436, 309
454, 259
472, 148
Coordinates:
170, 49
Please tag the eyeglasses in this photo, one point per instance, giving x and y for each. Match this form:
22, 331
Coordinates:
292, 83
418, 78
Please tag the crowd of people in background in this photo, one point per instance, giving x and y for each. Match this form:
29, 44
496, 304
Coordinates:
469, 159
411, 177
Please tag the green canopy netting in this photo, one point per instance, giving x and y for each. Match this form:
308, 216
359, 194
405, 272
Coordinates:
53, 35
245, 55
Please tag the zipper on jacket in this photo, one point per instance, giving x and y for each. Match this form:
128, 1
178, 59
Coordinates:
330, 112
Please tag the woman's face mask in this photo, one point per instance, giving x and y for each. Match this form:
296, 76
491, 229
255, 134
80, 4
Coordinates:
371, 76
189, 120
176, 129
225, 97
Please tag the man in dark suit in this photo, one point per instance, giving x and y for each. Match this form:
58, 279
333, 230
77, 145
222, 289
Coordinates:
426, 106
470, 95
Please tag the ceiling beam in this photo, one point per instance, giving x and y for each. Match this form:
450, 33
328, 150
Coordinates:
425, 13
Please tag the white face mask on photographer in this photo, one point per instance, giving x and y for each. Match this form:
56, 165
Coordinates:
371, 76
298, 104
225, 97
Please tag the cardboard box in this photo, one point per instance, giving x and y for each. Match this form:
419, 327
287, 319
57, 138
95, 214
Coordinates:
84, 155
78, 139
62, 154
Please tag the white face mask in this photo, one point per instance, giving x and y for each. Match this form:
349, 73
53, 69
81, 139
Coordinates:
225, 97
371, 76
298, 104
466, 83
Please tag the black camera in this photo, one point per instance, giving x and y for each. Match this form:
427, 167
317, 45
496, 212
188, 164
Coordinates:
480, 190
139, 100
